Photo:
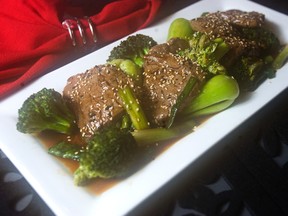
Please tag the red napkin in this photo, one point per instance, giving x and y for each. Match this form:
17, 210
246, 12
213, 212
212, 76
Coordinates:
34, 42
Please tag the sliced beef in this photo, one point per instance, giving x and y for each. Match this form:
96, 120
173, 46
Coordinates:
228, 25
165, 76
174, 45
242, 18
93, 97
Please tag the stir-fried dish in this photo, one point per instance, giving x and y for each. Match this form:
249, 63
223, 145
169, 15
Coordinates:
147, 93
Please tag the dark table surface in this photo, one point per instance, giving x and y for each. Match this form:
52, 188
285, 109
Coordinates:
246, 174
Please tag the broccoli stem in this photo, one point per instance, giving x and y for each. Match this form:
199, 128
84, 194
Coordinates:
153, 135
255, 68
281, 58
61, 126
138, 60
181, 98
133, 108
129, 67
126, 122
221, 50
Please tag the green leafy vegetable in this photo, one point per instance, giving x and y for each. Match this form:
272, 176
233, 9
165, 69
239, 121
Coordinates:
180, 28
216, 95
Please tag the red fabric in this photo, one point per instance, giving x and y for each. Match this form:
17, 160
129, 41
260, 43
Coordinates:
34, 42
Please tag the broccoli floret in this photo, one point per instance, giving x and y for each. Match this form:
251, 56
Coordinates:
45, 110
251, 69
264, 38
207, 53
133, 48
109, 154
250, 72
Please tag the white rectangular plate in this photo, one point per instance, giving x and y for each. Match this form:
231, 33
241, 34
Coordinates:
55, 184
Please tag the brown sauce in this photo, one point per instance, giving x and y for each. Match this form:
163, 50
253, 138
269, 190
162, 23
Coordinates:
49, 139
98, 186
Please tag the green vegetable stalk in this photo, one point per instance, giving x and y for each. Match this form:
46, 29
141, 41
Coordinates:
130, 68
216, 95
181, 98
281, 58
153, 135
133, 108
221, 49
